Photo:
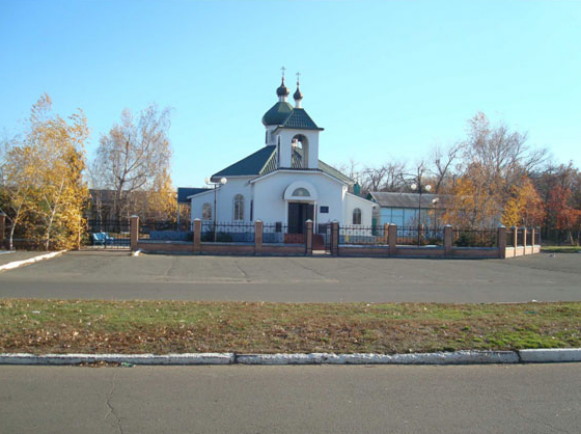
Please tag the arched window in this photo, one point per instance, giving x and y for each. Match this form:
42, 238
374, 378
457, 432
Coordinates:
238, 207
206, 211
301, 192
356, 216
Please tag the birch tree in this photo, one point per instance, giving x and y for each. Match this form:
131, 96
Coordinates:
43, 177
132, 156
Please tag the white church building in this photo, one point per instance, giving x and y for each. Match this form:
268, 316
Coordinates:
283, 182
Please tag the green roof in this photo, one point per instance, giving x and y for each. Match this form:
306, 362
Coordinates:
263, 161
299, 119
283, 114
251, 165
277, 114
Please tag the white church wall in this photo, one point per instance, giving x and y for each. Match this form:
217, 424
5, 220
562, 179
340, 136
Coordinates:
224, 200
366, 206
198, 201
270, 206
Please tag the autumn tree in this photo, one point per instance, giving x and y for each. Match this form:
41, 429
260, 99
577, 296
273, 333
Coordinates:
495, 164
560, 189
162, 200
525, 206
134, 157
474, 203
18, 172
44, 177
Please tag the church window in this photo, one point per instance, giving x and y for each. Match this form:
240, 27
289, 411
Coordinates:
356, 216
206, 211
301, 192
238, 207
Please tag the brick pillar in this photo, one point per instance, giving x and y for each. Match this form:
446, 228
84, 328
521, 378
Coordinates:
134, 231
2, 227
501, 242
197, 236
258, 230
335, 238
524, 240
309, 238
447, 240
386, 233
392, 239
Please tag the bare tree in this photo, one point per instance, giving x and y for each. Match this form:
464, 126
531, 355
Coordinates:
503, 152
443, 161
388, 177
133, 156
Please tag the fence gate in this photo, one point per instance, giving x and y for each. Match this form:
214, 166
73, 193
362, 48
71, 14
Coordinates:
322, 239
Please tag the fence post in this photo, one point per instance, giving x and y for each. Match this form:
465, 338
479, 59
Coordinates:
335, 238
309, 238
514, 238
134, 231
2, 227
258, 229
197, 236
448, 240
392, 239
501, 241
386, 233
533, 238
524, 240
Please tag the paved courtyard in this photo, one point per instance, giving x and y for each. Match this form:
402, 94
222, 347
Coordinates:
116, 275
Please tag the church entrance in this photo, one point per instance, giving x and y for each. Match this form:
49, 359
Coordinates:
298, 213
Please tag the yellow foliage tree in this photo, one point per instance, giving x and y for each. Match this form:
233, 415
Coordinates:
51, 158
524, 207
475, 202
162, 200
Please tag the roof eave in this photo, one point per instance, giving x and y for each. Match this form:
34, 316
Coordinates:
282, 127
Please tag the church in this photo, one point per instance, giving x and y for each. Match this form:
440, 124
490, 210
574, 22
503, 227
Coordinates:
283, 182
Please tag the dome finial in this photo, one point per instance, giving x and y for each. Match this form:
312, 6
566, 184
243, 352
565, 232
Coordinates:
298, 96
282, 92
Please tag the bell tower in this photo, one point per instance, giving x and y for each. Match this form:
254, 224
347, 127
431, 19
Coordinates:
292, 131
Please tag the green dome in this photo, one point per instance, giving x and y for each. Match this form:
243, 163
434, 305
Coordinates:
277, 114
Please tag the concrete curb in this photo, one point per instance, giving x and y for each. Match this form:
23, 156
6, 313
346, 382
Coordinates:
18, 264
555, 355
133, 359
452, 358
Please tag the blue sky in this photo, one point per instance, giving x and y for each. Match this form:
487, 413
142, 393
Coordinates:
386, 79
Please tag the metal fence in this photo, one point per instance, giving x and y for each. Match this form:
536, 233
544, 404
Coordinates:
362, 235
227, 232
561, 237
475, 237
165, 231
420, 236
109, 233
277, 233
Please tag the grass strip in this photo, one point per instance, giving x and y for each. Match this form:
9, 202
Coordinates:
561, 249
161, 327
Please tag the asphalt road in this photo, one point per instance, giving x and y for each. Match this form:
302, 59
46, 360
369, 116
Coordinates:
307, 399
116, 275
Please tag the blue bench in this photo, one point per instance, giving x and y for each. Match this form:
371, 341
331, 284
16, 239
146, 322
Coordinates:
101, 238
